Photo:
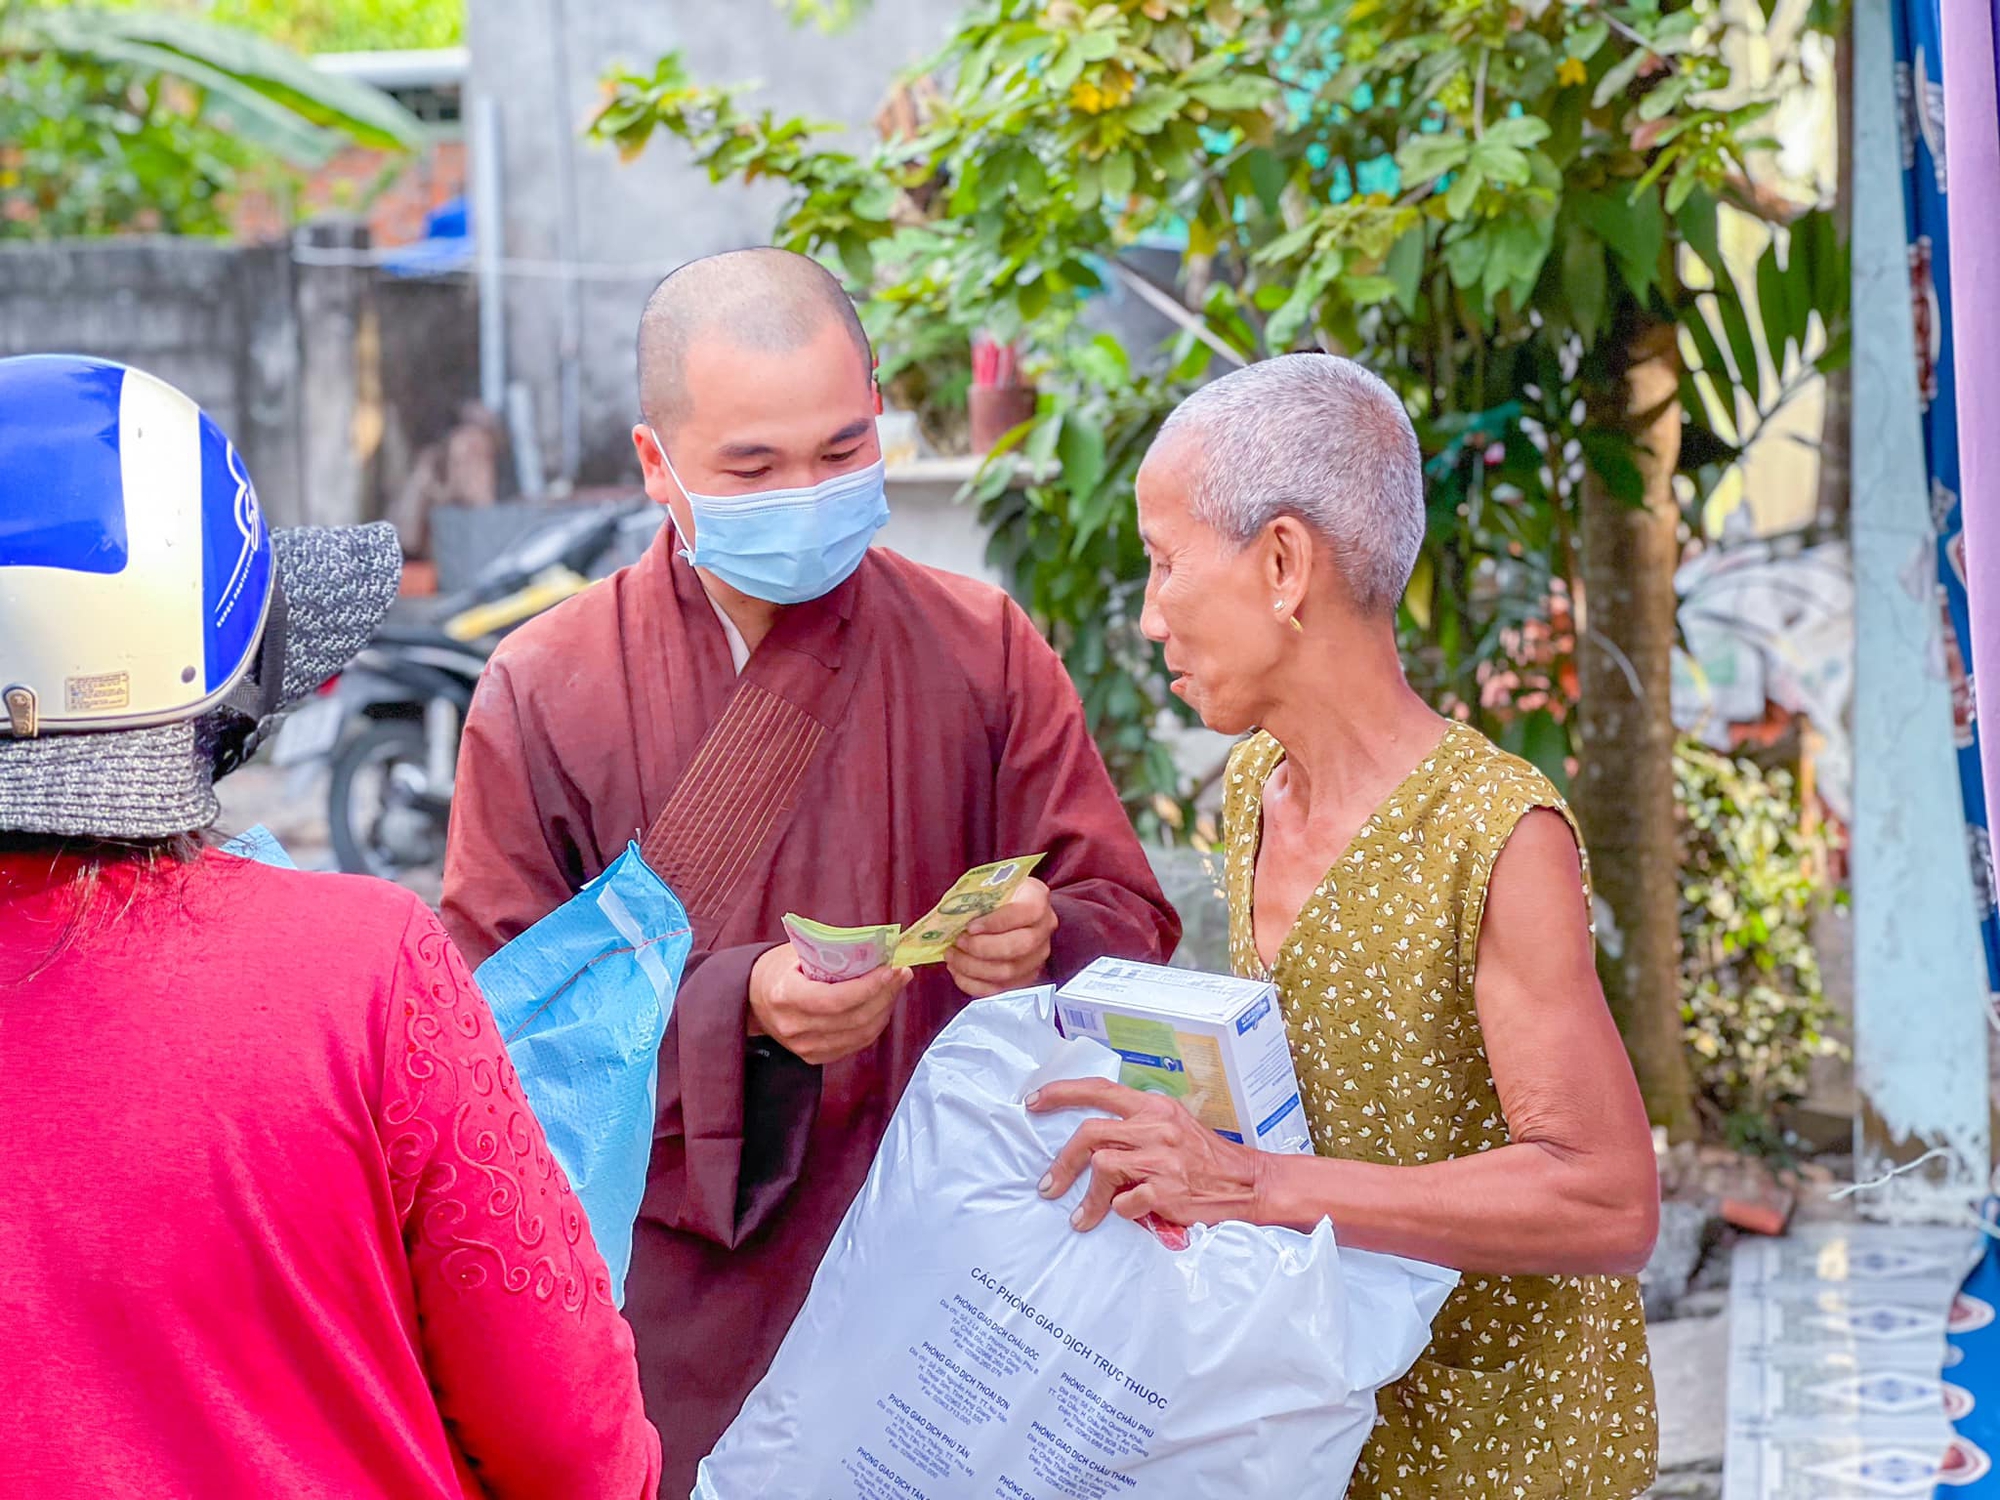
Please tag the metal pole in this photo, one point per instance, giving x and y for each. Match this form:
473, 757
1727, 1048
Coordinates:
569, 396
489, 229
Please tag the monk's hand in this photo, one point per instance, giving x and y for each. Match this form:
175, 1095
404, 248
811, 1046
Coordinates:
1146, 1154
1006, 949
820, 1023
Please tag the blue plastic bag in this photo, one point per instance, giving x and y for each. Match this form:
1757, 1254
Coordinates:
582, 1000
261, 846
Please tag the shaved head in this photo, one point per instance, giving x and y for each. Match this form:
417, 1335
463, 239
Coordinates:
763, 300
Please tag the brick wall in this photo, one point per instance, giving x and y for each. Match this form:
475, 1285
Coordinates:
423, 184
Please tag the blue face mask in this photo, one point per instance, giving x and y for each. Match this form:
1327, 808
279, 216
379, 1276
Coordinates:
786, 546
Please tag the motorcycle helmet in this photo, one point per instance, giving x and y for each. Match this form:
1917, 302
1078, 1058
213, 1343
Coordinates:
152, 626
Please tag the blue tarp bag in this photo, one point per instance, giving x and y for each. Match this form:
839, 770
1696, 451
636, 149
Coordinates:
582, 1000
260, 846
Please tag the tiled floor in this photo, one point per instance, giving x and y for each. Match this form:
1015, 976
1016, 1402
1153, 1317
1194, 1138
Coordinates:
1836, 1340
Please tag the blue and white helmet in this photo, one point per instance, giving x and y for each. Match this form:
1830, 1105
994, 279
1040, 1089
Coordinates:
146, 609
135, 566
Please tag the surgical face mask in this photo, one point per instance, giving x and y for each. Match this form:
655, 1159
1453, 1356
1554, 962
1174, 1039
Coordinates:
786, 546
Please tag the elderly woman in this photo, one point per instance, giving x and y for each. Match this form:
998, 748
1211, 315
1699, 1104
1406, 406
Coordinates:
1420, 899
277, 1219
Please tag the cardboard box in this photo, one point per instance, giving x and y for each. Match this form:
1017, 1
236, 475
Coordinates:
1215, 1042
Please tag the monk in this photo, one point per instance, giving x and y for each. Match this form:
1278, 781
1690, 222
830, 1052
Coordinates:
791, 721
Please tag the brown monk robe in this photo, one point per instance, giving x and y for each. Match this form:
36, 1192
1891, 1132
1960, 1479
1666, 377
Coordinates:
881, 741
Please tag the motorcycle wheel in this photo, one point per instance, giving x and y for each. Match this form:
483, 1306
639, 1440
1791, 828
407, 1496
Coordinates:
377, 828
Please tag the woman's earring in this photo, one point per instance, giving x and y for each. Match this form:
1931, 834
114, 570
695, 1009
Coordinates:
1279, 607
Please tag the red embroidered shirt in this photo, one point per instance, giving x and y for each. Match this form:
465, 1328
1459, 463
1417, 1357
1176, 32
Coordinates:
276, 1219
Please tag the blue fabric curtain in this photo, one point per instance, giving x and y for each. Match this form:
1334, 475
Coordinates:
1920, 87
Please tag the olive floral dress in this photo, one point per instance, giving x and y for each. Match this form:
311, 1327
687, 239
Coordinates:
1533, 1387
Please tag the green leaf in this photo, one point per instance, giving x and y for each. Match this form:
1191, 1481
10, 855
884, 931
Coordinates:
1618, 78
1244, 91
1666, 97
1268, 175
1063, 73
1464, 193
1696, 219
1742, 347
1520, 243
1636, 233
1796, 284
1366, 291
1119, 173
1502, 164
1088, 189
1685, 181
1831, 290
1675, 33
1288, 321
1104, 361
1080, 448
1405, 267
1290, 245
1465, 260
275, 90
259, 119
1584, 282
1042, 441
857, 256
1098, 46
1583, 42
1773, 307
1609, 457
1191, 360
1709, 352
1424, 157
1151, 108
1519, 131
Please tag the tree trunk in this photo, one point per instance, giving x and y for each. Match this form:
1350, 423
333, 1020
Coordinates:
1835, 424
1625, 731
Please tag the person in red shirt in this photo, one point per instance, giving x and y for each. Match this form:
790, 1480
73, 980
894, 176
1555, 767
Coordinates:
277, 1219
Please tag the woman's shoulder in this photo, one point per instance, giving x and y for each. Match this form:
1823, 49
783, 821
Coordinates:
344, 927
1251, 762
1250, 765
1488, 792
1499, 776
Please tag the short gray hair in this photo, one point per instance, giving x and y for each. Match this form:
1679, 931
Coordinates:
1317, 437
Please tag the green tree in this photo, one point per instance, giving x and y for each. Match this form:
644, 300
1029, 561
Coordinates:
324, 25
1511, 210
119, 121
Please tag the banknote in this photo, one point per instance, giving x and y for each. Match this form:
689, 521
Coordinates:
976, 893
831, 954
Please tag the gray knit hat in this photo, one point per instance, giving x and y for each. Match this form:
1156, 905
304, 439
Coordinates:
336, 584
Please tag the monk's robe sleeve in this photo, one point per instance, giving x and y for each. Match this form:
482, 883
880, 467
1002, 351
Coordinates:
735, 1112
511, 858
1054, 794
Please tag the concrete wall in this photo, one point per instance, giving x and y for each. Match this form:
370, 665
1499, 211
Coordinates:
214, 320
326, 380
541, 62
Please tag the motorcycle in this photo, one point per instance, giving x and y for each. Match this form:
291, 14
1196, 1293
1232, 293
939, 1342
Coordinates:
386, 729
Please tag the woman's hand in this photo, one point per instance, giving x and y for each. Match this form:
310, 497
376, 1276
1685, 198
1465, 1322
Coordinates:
1151, 1157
